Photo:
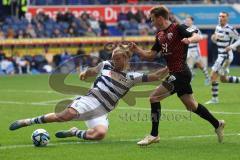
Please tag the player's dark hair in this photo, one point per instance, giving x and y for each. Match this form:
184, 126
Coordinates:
160, 11
225, 13
191, 18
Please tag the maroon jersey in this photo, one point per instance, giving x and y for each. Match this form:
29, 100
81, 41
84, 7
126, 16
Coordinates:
168, 44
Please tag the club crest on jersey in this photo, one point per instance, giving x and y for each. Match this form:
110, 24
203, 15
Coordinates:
170, 36
171, 78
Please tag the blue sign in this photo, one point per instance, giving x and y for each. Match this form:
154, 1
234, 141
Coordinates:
206, 15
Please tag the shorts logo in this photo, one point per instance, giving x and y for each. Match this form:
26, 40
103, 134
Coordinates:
171, 78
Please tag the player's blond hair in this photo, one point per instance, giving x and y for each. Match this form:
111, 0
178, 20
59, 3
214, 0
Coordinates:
124, 51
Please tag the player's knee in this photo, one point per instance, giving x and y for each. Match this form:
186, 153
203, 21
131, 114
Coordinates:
153, 99
191, 106
100, 134
223, 79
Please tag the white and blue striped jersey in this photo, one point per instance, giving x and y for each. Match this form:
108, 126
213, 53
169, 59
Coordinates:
110, 86
225, 37
194, 47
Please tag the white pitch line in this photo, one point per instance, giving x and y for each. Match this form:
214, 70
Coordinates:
23, 103
52, 101
29, 91
48, 103
115, 141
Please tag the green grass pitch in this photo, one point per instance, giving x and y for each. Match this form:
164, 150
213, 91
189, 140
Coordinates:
183, 135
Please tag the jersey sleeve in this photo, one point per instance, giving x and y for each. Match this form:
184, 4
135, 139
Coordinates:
234, 34
100, 66
156, 47
186, 31
138, 77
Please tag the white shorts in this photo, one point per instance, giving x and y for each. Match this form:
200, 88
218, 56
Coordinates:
103, 120
88, 103
221, 65
193, 56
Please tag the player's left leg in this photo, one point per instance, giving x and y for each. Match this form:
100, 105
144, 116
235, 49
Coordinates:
204, 69
192, 105
66, 115
225, 71
229, 79
191, 62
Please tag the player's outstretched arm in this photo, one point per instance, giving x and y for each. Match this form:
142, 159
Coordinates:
90, 72
158, 75
144, 54
195, 38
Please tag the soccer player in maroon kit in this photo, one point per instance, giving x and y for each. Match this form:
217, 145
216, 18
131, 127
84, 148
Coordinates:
172, 43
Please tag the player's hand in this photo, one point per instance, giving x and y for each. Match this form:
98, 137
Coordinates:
228, 48
83, 76
134, 47
214, 38
186, 41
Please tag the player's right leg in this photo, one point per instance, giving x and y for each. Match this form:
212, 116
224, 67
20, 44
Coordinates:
216, 68
98, 128
214, 83
66, 115
160, 93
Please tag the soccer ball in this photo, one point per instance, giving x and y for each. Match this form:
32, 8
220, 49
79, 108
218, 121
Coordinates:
40, 138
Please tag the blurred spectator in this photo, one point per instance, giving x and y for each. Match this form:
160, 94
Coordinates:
40, 30
7, 66
48, 56
72, 30
80, 51
30, 31
143, 28
94, 24
131, 14
103, 27
21, 34
2, 35
122, 20
139, 15
22, 65
94, 53
132, 28
56, 33
65, 56
10, 33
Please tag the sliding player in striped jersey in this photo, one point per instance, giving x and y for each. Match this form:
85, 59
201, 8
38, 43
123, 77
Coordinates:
223, 37
110, 86
193, 55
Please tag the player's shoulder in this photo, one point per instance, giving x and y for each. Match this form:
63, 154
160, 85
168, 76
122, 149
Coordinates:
188, 28
107, 64
229, 26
